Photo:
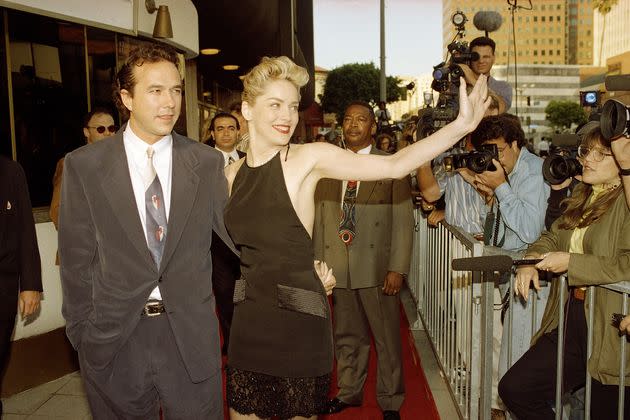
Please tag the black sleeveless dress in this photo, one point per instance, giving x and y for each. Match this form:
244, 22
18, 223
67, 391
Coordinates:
280, 351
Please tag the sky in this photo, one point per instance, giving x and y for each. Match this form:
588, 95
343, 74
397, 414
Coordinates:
347, 31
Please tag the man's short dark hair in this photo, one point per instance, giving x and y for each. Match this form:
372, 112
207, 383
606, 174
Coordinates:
149, 53
224, 115
364, 105
483, 41
506, 126
95, 111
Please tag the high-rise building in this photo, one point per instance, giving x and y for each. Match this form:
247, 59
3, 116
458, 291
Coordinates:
611, 33
552, 32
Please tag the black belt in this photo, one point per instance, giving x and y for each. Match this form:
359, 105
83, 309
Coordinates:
153, 308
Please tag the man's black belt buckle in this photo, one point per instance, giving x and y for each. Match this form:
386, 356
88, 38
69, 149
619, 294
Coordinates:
153, 308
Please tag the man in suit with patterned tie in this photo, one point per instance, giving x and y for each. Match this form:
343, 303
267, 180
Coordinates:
369, 249
226, 268
137, 215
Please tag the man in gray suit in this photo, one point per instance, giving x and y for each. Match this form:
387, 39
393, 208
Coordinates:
369, 250
137, 214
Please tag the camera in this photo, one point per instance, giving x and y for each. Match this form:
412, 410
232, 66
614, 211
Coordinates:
562, 162
477, 161
446, 81
615, 119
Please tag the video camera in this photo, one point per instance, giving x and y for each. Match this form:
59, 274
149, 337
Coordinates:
446, 80
477, 161
615, 115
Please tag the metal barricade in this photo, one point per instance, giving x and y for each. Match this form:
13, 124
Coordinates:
456, 310
449, 305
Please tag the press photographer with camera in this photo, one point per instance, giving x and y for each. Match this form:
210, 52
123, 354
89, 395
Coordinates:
515, 220
591, 243
484, 48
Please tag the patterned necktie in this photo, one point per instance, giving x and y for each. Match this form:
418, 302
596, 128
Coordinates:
230, 160
348, 217
156, 213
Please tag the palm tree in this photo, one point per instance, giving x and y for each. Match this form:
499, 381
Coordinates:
603, 7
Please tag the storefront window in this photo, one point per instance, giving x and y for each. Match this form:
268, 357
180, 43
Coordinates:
101, 47
49, 95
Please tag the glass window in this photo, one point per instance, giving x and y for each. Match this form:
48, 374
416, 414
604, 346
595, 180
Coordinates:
542, 18
535, 18
5, 129
49, 95
101, 47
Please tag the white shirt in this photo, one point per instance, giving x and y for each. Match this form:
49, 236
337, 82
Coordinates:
226, 156
136, 151
364, 151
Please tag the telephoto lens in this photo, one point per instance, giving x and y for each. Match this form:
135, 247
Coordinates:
615, 119
559, 166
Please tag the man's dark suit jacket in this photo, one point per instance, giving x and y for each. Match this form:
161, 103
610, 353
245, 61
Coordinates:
20, 266
107, 271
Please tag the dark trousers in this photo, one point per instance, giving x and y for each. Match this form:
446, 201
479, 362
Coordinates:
148, 373
6, 329
225, 272
528, 389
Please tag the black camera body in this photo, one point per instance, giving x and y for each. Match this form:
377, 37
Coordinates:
477, 161
562, 162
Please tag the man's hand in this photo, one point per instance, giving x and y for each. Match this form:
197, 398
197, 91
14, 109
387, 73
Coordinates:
393, 283
28, 302
435, 217
326, 276
492, 179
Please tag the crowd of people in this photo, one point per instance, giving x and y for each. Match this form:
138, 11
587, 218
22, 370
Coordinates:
168, 246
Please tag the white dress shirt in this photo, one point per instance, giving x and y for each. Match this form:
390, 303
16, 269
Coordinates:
136, 151
226, 156
364, 151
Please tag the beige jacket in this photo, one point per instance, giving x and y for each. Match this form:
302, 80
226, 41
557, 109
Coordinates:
384, 231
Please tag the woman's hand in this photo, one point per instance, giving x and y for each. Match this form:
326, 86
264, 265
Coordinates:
326, 276
621, 150
472, 107
524, 276
556, 262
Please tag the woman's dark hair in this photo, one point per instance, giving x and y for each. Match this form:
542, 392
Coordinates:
579, 213
381, 137
125, 79
506, 126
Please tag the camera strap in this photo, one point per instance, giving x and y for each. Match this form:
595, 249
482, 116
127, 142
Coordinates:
491, 228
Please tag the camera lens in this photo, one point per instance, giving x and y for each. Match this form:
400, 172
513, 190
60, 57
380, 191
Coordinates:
557, 168
615, 119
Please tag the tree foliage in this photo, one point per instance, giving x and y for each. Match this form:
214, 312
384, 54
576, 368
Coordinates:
355, 82
561, 114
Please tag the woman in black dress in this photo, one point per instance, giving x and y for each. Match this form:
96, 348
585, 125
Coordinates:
281, 353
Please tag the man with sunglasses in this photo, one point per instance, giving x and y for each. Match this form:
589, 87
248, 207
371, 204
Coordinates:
97, 125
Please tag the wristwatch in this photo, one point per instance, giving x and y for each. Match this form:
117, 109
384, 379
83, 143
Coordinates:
624, 172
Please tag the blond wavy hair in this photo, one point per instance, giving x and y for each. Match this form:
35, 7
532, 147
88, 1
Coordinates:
272, 68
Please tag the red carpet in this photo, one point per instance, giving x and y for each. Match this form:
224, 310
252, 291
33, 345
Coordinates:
418, 405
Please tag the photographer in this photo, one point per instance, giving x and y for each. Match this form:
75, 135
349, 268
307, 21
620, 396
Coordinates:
464, 206
485, 47
591, 243
516, 219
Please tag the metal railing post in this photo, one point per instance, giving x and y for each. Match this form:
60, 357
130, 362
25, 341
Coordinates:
560, 351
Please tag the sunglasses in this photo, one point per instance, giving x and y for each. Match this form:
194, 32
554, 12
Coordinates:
101, 128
